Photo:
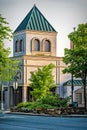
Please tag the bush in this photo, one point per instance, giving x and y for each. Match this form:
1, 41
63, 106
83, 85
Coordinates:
33, 105
49, 101
23, 104
64, 102
55, 100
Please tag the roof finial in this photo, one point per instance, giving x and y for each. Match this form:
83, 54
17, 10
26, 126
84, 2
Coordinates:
34, 4
74, 28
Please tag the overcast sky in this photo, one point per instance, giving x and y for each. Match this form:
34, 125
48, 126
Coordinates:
62, 14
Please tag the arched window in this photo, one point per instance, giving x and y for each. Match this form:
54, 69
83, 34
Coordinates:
47, 46
36, 45
21, 45
16, 46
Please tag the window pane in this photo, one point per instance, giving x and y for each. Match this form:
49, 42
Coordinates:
16, 46
79, 98
21, 45
47, 46
36, 45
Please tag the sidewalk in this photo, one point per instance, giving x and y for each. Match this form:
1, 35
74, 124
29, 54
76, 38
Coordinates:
4, 111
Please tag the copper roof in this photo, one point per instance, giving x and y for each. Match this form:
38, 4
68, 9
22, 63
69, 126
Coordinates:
35, 20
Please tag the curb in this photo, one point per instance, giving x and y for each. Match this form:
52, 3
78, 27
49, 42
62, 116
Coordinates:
46, 115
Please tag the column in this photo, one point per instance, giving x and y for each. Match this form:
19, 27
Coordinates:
24, 94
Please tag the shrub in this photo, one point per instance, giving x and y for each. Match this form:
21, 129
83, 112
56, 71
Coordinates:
23, 104
49, 101
54, 100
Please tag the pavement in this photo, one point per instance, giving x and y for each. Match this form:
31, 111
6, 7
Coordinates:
36, 114
24, 122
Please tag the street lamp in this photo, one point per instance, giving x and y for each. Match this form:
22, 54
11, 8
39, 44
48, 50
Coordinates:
15, 86
72, 85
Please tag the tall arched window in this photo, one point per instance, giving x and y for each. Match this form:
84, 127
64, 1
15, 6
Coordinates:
47, 46
21, 45
36, 45
16, 46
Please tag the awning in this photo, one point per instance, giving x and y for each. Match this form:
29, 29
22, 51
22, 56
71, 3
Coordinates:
75, 83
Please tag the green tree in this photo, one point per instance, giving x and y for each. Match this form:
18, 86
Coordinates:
9, 71
42, 81
76, 58
5, 33
6, 64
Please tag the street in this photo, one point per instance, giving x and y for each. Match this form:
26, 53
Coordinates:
26, 122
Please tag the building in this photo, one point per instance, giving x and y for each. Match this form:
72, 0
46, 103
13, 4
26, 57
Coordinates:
35, 43
78, 91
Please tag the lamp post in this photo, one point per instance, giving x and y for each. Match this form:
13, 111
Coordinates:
2, 97
72, 85
15, 86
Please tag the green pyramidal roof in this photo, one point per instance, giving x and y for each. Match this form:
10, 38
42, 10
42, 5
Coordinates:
35, 21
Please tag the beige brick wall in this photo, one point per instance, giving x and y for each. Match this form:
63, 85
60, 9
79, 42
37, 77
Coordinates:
41, 36
33, 62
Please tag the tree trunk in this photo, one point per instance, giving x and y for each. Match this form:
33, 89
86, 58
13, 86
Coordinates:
72, 87
84, 85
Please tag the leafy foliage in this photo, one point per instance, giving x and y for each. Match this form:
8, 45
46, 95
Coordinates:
50, 101
79, 36
55, 100
9, 71
8, 66
5, 33
76, 58
33, 105
42, 81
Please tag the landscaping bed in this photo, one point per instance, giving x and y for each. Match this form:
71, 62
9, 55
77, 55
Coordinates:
52, 105
59, 111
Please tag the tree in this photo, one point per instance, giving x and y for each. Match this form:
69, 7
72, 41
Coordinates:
42, 81
9, 71
8, 66
5, 33
6, 63
76, 58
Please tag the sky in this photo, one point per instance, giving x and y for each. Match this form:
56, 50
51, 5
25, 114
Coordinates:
63, 15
